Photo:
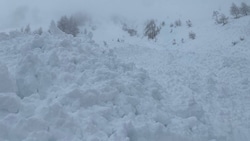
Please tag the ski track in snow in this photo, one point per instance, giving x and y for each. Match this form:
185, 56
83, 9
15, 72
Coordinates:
60, 88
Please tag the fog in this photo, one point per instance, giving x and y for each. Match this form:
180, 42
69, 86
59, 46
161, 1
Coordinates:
18, 13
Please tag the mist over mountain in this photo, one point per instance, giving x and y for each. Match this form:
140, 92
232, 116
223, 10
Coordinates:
15, 13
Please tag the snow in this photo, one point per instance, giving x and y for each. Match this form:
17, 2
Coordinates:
206, 79
69, 89
56, 87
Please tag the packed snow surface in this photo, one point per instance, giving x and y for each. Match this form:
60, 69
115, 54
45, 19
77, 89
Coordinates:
55, 87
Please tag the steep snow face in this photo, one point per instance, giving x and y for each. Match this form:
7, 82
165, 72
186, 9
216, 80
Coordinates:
64, 88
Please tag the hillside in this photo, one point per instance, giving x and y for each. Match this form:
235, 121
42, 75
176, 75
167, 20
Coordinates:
105, 85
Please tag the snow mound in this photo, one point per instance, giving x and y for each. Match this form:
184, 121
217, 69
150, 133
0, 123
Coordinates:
72, 89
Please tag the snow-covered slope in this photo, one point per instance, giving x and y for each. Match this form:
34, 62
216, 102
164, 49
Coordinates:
55, 87
63, 88
208, 73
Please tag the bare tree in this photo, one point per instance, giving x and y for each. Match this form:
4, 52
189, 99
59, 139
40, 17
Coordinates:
151, 30
244, 9
235, 11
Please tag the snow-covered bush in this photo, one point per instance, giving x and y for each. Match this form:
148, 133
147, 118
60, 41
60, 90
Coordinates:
189, 23
174, 42
234, 43
171, 25
130, 31
222, 19
177, 23
192, 35
151, 30
235, 11
216, 15
68, 25
244, 9
163, 23
182, 40
242, 38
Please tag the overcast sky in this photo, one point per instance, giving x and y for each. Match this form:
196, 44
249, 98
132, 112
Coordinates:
16, 13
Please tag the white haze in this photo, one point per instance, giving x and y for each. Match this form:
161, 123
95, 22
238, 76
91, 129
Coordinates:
18, 13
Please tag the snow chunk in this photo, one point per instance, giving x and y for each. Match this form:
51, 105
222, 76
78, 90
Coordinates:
54, 30
32, 77
9, 103
6, 84
3, 36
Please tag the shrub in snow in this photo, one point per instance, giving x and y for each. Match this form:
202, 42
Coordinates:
192, 35
174, 42
222, 19
151, 30
216, 15
163, 23
234, 43
105, 43
178, 23
171, 25
131, 31
244, 9
242, 38
68, 25
235, 11
189, 23
182, 40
